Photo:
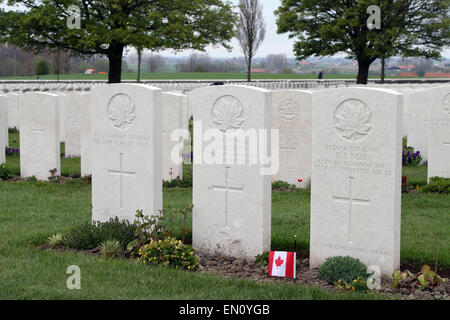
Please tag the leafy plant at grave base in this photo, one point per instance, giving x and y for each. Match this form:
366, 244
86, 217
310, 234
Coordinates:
282, 186
31, 179
53, 177
437, 185
153, 228
55, 240
90, 235
358, 284
13, 130
411, 158
345, 269
111, 249
425, 279
5, 173
169, 252
263, 259
178, 183
148, 228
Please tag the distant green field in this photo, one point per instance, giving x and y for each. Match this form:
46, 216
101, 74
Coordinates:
189, 76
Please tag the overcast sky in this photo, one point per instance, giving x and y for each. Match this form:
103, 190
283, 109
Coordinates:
274, 43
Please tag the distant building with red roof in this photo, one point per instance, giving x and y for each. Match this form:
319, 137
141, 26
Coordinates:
437, 75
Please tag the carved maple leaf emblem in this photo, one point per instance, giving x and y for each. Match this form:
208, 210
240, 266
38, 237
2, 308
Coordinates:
121, 111
279, 262
227, 113
289, 109
353, 120
447, 103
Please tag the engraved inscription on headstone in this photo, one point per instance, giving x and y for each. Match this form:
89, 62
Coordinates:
356, 176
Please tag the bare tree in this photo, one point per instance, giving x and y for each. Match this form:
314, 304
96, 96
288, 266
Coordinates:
251, 31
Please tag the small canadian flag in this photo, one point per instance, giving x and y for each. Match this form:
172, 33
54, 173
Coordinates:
282, 264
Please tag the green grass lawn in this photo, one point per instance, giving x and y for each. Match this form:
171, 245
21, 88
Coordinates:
193, 76
32, 211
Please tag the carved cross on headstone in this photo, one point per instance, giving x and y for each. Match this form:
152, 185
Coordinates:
351, 200
227, 189
121, 173
287, 152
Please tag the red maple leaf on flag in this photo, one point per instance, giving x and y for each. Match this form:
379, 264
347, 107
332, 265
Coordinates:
279, 262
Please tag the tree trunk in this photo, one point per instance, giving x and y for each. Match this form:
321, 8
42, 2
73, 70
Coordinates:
249, 70
363, 71
383, 68
115, 63
139, 52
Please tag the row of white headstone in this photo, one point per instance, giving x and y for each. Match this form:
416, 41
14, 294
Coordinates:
46, 119
182, 86
347, 141
185, 86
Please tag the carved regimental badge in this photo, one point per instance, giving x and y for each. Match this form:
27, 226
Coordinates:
227, 113
353, 120
289, 109
121, 111
446, 103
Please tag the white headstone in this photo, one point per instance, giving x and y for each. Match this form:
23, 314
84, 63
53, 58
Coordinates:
356, 176
126, 151
174, 117
12, 101
292, 116
39, 135
418, 122
3, 128
85, 134
406, 108
62, 97
232, 201
439, 133
72, 109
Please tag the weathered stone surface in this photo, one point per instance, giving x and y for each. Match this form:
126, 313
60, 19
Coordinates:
126, 151
356, 176
39, 135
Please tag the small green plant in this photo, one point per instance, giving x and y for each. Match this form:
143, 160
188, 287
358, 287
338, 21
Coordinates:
55, 240
437, 185
157, 227
111, 249
358, 284
345, 269
425, 279
53, 177
90, 235
31, 179
13, 130
263, 259
178, 183
401, 278
5, 173
169, 252
282, 186
428, 278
